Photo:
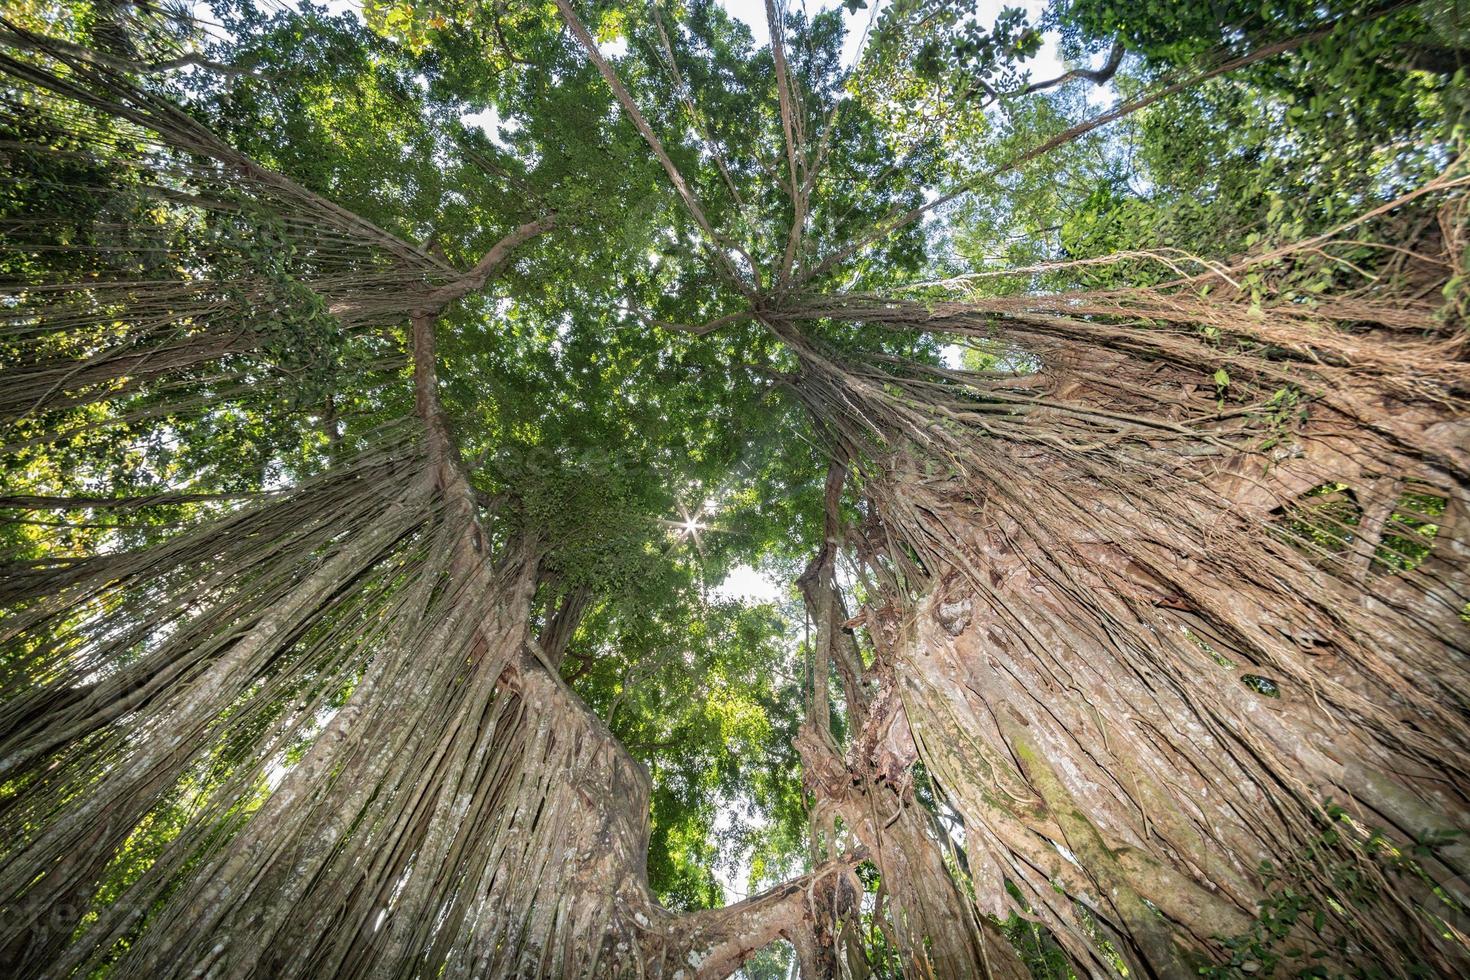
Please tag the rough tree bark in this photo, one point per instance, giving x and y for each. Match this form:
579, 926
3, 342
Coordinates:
375, 767
868, 790
1131, 676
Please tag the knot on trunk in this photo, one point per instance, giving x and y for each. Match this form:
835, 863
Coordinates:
953, 616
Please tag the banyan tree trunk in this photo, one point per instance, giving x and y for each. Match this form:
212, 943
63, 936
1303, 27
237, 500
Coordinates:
1191, 669
1156, 789
868, 790
315, 737
1149, 707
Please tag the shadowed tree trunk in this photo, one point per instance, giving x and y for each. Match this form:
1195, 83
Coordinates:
868, 792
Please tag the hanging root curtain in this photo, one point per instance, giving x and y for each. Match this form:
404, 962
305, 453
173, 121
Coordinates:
302, 730
1173, 586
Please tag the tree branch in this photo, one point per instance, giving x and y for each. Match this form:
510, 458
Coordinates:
895, 221
489, 264
45, 45
164, 498
703, 328
687, 96
625, 99
789, 127
1096, 76
719, 941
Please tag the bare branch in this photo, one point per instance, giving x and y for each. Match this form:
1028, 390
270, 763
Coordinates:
1097, 76
687, 95
489, 263
704, 328
789, 127
165, 498
625, 99
194, 59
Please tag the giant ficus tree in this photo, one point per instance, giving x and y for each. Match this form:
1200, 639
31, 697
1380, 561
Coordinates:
367, 473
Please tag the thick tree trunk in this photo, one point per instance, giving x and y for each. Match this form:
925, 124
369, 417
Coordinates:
1083, 749
870, 792
1128, 656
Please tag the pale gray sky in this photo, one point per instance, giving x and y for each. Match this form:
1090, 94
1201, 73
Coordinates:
1046, 64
